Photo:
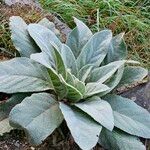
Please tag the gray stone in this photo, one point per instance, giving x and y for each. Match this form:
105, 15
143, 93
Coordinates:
25, 2
140, 94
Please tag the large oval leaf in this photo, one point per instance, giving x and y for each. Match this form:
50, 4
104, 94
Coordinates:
43, 59
95, 49
78, 37
21, 38
68, 58
39, 115
101, 74
43, 38
23, 75
94, 88
114, 81
130, 117
84, 72
119, 140
84, 130
5, 109
117, 49
59, 64
50, 25
133, 74
99, 110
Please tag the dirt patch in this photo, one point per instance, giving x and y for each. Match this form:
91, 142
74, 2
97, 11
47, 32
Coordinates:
16, 140
4, 57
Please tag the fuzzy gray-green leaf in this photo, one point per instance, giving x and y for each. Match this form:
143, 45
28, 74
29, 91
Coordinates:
21, 38
50, 25
7, 105
23, 75
99, 110
46, 60
93, 88
117, 49
5, 109
59, 64
43, 59
39, 115
78, 37
84, 72
43, 38
114, 81
130, 117
101, 74
133, 74
68, 59
119, 140
84, 130
95, 49
75, 82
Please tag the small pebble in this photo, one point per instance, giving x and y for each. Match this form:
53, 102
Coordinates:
32, 148
133, 98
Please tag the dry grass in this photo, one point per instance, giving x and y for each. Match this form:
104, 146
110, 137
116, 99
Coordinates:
28, 13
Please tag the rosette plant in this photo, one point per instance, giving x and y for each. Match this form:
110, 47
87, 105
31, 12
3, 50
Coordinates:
75, 82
